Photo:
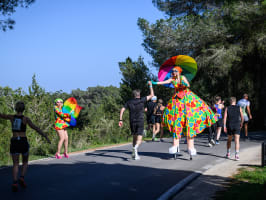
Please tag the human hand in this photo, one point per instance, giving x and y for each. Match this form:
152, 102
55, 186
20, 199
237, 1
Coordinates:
149, 83
120, 124
250, 116
225, 129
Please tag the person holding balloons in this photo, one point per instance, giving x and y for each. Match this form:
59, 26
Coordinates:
185, 114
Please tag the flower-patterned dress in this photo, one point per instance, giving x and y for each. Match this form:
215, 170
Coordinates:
186, 114
61, 119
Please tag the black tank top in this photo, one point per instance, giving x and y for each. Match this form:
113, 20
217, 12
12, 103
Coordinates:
233, 116
17, 124
159, 111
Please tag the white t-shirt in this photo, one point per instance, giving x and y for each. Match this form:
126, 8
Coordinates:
243, 103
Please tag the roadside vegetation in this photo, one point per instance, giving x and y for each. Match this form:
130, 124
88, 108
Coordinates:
249, 183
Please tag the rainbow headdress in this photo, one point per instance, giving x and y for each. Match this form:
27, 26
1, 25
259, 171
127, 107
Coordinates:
187, 63
71, 107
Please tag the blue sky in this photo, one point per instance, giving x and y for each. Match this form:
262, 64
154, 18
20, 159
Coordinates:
73, 44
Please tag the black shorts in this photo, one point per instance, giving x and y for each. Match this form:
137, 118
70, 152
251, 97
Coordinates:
19, 145
137, 128
233, 130
220, 122
157, 119
149, 119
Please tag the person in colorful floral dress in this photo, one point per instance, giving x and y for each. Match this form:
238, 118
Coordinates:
186, 114
61, 123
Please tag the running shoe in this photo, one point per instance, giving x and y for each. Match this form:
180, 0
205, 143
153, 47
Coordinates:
217, 142
212, 142
22, 183
161, 140
137, 157
237, 157
14, 187
154, 139
210, 145
227, 155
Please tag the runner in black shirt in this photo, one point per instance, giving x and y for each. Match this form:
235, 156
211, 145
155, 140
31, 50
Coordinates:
232, 125
136, 118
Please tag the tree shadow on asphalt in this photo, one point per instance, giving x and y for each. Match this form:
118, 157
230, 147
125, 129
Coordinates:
93, 180
90, 180
110, 153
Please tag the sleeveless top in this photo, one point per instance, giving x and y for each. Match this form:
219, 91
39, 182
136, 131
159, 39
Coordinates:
17, 124
233, 115
159, 111
219, 111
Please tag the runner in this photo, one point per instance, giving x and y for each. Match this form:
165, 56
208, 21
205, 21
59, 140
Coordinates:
245, 107
150, 105
19, 143
219, 105
158, 111
136, 118
232, 126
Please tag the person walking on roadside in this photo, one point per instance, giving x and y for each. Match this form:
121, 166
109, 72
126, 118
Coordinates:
19, 143
213, 128
232, 126
150, 105
158, 112
61, 123
219, 105
136, 118
245, 107
185, 114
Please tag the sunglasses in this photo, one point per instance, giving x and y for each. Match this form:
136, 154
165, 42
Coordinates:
174, 71
59, 102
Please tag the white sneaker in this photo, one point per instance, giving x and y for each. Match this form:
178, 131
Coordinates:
135, 155
212, 142
173, 149
210, 145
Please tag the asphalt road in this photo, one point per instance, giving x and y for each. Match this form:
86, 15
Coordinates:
112, 174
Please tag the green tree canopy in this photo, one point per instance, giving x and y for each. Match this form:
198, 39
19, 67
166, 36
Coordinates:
7, 8
227, 39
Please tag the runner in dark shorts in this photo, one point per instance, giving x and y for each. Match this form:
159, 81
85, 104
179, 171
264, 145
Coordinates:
158, 111
232, 126
136, 118
150, 105
19, 143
